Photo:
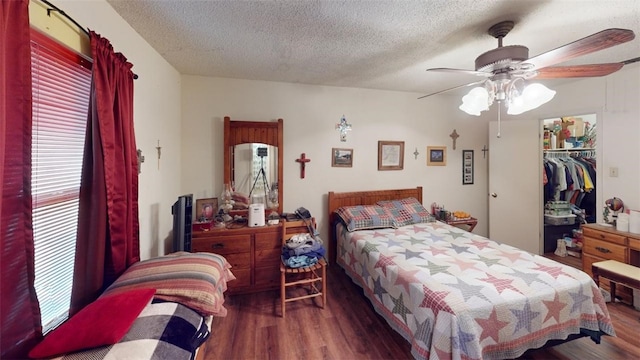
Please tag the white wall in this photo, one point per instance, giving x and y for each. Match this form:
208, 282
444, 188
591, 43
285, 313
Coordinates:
157, 112
310, 114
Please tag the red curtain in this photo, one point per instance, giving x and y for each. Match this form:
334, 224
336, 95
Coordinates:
20, 313
108, 226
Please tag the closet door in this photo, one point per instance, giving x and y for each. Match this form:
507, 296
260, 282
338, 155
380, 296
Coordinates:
515, 175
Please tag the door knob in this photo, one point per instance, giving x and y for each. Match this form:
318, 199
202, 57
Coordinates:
494, 195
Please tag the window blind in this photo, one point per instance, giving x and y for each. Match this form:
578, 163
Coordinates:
61, 88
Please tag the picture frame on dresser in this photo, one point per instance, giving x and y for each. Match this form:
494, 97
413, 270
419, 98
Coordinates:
206, 209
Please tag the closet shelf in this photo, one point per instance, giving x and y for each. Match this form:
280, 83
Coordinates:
571, 149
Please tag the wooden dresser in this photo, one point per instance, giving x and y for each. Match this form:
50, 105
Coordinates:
606, 243
253, 252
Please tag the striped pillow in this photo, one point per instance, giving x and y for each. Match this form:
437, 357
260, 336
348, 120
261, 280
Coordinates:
407, 211
195, 280
362, 217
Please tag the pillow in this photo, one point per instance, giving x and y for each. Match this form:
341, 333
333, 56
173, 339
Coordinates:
406, 211
103, 322
362, 217
195, 280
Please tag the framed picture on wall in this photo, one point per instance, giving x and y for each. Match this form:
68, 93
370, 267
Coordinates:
467, 167
436, 155
341, 157
390, 155
206, 209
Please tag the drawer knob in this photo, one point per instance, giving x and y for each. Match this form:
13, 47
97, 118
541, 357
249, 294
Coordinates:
603, 250
602, 236
217, 246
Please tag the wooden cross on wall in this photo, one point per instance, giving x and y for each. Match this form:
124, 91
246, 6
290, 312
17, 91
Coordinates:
303, 162
454, 135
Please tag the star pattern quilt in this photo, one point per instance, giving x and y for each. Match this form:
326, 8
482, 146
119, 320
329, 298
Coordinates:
456, 295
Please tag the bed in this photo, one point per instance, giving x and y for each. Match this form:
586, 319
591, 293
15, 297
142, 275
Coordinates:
453, 294
160, 308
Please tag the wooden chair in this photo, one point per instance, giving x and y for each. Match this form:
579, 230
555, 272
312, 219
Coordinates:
314, 276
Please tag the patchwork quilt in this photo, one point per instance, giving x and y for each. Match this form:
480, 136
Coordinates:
164, 330
456, 295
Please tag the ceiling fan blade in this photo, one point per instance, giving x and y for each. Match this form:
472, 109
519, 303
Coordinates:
592, 43
453, 88
462, 71
578, 71
631, 61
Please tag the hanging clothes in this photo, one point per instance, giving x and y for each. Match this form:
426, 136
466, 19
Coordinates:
571, 176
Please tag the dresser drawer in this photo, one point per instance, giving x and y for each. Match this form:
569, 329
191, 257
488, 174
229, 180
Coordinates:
605, 236
587, 261
243, 279
268, 248
222, 245
605, 250
239, 260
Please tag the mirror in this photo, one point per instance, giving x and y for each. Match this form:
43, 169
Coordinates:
255, 171
253, 153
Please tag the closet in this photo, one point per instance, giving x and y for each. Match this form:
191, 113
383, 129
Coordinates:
569, 176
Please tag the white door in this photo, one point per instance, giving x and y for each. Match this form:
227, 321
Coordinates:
515, 184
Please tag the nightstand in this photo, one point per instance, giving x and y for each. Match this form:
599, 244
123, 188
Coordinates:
469, 223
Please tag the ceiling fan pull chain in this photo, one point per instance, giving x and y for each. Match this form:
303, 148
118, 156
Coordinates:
499, 110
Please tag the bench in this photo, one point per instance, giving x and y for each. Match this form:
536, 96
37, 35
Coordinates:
617, 273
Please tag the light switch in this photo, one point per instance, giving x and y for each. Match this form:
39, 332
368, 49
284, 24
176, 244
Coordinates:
613, 172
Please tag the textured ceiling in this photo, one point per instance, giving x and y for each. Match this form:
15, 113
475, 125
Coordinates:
365, 44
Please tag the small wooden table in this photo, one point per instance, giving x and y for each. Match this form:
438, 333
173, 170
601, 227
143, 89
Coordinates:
616, 272
471, 223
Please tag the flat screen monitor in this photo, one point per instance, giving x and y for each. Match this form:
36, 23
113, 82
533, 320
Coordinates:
182, 212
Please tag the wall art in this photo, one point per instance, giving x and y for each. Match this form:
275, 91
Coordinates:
390, 155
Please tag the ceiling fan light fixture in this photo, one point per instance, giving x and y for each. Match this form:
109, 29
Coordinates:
517, 96
533, 96
508, 68
476, 101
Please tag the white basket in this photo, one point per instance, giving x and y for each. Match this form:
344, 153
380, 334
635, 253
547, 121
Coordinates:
560, 219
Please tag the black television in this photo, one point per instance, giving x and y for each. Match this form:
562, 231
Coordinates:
182, 211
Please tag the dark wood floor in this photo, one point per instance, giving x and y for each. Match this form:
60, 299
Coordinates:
349, 328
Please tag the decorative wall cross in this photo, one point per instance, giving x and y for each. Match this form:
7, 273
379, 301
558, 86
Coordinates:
344, 128
416, 153
454, 135
303, 162
159, 148
485, 150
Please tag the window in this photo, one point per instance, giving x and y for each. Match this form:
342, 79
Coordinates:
61, 86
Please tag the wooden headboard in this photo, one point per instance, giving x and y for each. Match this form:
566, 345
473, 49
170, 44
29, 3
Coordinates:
339, 199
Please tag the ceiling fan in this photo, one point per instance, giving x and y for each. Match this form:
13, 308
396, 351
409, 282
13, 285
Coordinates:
505, 69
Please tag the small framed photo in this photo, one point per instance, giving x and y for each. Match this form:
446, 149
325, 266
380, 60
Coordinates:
467, 167
390, 155
206, 209
436, 155
341, 157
